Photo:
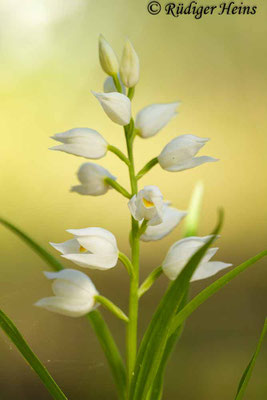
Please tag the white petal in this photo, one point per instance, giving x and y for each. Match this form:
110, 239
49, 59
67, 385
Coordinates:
94, 261
205, 270
171, 218
68, 307
107, 57
94, 231
194, 162
117, 106
92, 178
129, 66
132, 207
154, 117
70, 246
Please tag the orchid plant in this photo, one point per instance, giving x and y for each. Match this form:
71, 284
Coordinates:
189, 259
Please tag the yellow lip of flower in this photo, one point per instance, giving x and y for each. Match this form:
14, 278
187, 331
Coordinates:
148, 203
82, 249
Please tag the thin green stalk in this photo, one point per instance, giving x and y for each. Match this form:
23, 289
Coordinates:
127, 263
117, 83
149, 281
130, 93
119, 154
118, 187
131, 339
111, 307
147, 168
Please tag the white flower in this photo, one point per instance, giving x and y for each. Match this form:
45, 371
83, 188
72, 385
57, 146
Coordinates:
148, 205
153, 118
109, 85
179, 153
83, 142
107, 57
171, 218
92, 178
74, 293
94, 248
116, 105
129, 66
181, 252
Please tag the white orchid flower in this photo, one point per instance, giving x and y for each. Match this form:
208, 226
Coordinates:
92, 178
179, 154
129, 66
171, 218
116, 105
181, 252
153, 118
83, 142
148, 205
94, 248
109, 85
74, 293
107, 57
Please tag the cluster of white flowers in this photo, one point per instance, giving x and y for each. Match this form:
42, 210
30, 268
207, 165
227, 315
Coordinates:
96, 248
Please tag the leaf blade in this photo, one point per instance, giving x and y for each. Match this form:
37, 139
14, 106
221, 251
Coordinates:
15, 336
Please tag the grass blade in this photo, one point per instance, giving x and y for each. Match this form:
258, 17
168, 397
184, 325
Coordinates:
14, 335
45, 255
110, 349
100, 327
155, 338
210, 290
248, 371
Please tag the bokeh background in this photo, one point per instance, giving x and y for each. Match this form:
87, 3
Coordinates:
217, 67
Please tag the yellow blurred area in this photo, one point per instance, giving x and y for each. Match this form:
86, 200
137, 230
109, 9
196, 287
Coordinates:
217, 68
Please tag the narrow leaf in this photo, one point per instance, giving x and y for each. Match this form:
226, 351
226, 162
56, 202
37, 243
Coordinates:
155, 338
110, 350
15, 336
192, 219
248, 371
211, 289
47, 257
109, 305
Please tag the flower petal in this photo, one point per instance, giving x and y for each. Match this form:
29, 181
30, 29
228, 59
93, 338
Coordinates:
205, 270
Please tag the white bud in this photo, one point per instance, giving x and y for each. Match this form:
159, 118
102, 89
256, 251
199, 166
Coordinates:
179, 153
129, 66
153, 118
107, 57
92, 178
83, 142
170, 219
117, 106
148, 205
181, 252
74, 293
94, 248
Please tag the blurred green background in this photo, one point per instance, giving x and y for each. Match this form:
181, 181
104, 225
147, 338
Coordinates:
217, 67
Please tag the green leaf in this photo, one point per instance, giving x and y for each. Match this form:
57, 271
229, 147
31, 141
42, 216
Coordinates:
110, 350
14, 335
211, 289
47, 257
155, 338
192, 219
248, 371
101, 329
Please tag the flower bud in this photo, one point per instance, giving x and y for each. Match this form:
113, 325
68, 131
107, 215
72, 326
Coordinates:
129, 66
179, 153
148, 205
170, 219
117, 106
92, 178
74, 293
83, 142
107, 57
180, 253
153, 118
94, 248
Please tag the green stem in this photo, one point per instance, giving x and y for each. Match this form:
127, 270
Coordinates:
131, 340
118, 187
111, 307
119, 154
147, 168
127, 263
117, 83
130, 93
149, 281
